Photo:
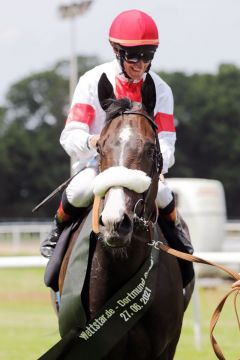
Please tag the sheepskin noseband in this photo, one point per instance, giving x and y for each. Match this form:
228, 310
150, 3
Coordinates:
135, 180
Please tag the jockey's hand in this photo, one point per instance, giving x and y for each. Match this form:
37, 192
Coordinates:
92, 141
236, 284
161, 177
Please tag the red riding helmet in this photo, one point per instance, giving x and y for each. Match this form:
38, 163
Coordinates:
133, 28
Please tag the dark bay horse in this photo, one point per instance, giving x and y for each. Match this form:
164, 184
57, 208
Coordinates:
130, 164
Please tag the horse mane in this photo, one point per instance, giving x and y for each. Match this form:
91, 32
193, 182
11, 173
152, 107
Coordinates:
117, 106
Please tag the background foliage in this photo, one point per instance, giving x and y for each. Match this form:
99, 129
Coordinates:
207, 109
33, 164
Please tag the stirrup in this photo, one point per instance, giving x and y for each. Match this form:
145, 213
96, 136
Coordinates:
48, 245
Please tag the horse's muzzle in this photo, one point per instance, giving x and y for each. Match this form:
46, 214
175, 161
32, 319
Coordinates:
117, 235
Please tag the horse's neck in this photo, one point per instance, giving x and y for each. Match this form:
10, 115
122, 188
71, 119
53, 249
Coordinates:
109, 273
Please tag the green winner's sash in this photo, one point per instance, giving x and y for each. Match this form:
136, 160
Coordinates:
94, 340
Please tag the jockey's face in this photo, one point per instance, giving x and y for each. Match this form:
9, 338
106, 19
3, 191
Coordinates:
135, 70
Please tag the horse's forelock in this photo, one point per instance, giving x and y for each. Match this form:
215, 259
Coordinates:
117, 106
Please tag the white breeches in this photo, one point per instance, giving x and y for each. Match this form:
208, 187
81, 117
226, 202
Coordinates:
80, 190
164, 195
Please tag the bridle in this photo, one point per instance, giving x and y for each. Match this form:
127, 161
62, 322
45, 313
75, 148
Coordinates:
142, 218
158, 154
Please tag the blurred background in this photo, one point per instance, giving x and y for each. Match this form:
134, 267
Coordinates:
45, 46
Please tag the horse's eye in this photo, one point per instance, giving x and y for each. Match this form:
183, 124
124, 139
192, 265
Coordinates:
99, 150
150, 151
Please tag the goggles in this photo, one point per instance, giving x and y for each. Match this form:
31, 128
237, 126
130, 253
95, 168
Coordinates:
133, 58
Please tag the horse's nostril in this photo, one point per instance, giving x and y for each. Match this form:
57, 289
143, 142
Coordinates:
124, 226
100, 221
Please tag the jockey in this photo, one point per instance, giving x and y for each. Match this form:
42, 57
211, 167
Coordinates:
134, 38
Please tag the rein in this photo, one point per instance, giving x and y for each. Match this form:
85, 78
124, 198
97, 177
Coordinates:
217, 312
184, 256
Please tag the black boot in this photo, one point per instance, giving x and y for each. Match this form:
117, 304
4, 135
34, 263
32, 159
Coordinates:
48, 245
176, 233
181, 232
178, 237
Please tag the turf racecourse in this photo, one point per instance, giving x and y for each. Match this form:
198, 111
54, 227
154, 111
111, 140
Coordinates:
28, 325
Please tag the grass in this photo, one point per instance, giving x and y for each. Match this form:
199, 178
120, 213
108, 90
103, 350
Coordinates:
226, 331
28, 325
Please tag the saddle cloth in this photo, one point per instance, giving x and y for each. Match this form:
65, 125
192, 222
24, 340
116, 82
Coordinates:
53, 267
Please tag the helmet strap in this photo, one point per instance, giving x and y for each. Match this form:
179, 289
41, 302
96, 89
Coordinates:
149, 67
121, 60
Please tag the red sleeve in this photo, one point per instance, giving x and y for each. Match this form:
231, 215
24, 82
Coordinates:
84, 113
165, 122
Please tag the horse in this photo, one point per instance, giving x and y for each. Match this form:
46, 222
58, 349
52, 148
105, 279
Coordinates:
130, 163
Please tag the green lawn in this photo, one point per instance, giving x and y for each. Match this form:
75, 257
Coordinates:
226, 332
28, 324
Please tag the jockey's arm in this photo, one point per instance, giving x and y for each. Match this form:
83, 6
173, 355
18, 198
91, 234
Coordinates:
165, 122
167, 145
74, 139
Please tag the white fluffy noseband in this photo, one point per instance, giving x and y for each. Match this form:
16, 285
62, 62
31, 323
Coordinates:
135, 180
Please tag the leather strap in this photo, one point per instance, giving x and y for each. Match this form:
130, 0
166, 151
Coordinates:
218, 310
185, 256
197, 259
215, 318
95, 214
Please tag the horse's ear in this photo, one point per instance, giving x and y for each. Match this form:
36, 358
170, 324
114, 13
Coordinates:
148, 92
105, 91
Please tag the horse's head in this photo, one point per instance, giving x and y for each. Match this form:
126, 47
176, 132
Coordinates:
130, 163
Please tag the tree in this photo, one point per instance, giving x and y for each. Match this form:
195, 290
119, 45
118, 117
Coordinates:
207, 109
33, 162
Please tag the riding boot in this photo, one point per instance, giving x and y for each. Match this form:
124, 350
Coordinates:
66, 214
175, 227
175, 230
48, 245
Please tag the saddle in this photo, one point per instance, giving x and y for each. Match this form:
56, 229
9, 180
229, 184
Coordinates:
51, 276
